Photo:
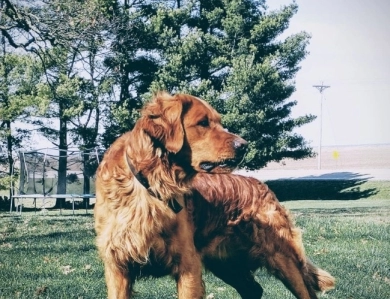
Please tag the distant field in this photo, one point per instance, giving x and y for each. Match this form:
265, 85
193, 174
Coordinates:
342, 157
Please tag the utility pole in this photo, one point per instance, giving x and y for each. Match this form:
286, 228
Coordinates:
321, 89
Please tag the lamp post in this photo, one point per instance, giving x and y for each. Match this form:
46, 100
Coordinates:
321, 89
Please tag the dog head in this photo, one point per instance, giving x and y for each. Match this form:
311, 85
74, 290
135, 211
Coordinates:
191, 129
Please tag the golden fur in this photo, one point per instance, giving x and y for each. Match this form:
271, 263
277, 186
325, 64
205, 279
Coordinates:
240, 226
175, 137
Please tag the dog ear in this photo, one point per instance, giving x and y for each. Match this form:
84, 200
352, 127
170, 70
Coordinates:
164, 123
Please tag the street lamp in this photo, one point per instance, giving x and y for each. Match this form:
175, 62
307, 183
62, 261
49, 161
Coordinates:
320, 88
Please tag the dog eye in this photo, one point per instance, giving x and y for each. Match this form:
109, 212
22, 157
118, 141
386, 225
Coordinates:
204, 123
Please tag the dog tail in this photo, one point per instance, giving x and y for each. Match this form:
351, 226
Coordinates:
319, 279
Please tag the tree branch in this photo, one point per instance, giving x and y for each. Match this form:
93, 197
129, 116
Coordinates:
24, 22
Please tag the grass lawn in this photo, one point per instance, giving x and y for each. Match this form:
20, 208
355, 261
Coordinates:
52, 256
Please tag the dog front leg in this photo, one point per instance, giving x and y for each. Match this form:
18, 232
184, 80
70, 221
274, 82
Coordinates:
189, 273
119, 285
189, 280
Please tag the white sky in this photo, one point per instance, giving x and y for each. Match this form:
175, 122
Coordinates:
350, 51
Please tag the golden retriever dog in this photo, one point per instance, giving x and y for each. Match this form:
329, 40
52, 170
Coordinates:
240, 226
140, 188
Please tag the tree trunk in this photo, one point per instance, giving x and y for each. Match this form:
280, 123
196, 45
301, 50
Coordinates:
62, 160
9, 154
7, 122
86, 175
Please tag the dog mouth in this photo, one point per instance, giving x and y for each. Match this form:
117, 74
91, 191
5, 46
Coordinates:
225, 164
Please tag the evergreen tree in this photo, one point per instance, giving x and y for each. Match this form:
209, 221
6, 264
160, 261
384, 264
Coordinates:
69, 39
78, 84
230, 53
19, 77
132, 61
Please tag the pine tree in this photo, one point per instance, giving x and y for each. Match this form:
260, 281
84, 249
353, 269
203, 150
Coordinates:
132, 62
230, 53
19, 76
69, 39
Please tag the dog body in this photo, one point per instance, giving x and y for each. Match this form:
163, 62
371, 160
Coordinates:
145, 171
240, 226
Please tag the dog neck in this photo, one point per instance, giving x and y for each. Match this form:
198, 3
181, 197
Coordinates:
138, 175
175, 206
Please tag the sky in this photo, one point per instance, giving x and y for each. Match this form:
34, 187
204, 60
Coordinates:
350, 52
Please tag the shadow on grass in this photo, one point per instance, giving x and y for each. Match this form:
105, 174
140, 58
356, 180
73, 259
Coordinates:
58, 241
330, 186
339, 175
78, 206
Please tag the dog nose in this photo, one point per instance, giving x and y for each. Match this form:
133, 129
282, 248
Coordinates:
240, 145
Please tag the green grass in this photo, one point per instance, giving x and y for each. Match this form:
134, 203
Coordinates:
54, 256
